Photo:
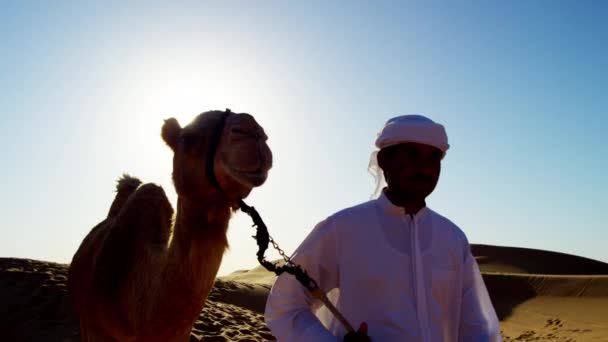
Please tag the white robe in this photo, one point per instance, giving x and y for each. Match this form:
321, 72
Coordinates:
410, 278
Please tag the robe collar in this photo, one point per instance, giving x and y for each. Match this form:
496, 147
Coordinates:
390, 209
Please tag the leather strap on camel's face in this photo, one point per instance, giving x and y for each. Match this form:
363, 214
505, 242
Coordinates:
213, 145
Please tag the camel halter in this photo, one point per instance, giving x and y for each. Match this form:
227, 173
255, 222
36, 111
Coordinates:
213, 144
262, 236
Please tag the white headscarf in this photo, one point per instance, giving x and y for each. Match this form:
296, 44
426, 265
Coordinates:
406, 128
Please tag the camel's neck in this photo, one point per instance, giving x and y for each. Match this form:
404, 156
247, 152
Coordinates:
188, 268
199, 222
198, 243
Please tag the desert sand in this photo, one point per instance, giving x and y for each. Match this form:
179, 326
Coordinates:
538, 295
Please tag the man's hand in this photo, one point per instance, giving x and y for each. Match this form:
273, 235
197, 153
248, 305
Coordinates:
359, 335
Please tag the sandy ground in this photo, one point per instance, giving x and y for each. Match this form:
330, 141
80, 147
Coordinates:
538, 295
558, 319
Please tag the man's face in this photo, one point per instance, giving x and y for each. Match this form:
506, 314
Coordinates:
411, 169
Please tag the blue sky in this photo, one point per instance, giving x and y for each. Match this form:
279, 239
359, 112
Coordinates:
520, 86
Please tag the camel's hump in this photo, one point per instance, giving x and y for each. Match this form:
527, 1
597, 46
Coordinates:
125, 186
127, 183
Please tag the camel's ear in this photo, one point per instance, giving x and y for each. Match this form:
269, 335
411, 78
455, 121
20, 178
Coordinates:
170, 132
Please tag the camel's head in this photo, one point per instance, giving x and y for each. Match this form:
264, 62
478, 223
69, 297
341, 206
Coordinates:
241, 161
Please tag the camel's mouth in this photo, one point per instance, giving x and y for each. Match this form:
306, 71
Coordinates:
250, 178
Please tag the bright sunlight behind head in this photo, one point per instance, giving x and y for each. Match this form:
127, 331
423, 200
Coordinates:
181, 90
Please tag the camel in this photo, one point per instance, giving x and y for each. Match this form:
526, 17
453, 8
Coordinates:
143, 273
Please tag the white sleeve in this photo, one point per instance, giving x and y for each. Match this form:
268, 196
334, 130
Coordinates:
289, 308
478, 321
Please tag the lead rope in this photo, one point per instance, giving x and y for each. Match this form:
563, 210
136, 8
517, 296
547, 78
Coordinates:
263, 239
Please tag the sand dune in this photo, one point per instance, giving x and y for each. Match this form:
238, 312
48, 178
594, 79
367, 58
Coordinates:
538, 295
542, 295
535, 261
34, 307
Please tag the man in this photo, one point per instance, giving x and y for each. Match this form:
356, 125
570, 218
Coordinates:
392, 263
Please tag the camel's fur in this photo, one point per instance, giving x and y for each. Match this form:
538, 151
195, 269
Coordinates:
143, 273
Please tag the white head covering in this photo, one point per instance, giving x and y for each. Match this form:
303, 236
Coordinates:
406, 128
